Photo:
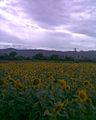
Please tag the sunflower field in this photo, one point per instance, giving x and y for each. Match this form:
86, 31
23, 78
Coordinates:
47, 91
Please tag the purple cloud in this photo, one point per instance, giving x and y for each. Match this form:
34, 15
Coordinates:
49, 24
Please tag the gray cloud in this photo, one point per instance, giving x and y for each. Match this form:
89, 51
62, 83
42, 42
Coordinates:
50, 12
50, 24
7, 38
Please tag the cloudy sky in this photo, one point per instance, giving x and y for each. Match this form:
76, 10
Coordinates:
48, 24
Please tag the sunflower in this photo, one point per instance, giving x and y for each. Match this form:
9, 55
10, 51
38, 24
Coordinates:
82, 95
17, 84
36, 82
87, 83
2, 82
63, 84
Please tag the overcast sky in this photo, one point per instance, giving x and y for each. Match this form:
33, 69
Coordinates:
48, 24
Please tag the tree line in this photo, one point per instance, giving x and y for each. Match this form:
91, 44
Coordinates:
38, 56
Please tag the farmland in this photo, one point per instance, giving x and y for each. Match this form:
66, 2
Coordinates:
47, 91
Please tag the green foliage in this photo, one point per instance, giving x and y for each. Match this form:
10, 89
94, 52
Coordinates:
39, 56
54, 57
4, 57
12, 54
47, 91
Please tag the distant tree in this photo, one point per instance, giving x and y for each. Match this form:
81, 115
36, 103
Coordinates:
69, 58
54, 57
12, 54
39, 56
27, 58
4, 57
19, 58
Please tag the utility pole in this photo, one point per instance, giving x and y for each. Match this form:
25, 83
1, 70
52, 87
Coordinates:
75, 54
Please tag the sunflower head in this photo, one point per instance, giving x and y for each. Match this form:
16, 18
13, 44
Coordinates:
17, 84
36, 82
63, 84
86, 83
2, 82
82, 95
